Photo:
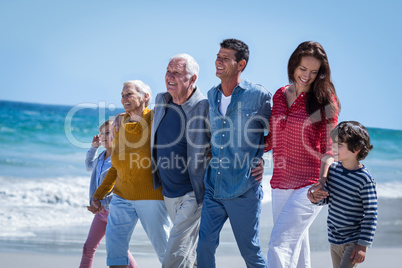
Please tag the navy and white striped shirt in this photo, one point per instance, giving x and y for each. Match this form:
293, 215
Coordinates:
352, 205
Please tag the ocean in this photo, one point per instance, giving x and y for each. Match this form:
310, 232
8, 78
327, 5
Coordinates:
44, 184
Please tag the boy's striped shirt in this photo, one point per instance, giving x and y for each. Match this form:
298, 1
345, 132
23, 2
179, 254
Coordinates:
352, 201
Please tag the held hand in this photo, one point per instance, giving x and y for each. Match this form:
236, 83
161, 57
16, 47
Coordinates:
258, 171
95, 210
209, 156
96, 206
316, 192
314, 198
96, 141
96, 202
116, 123
319, 186
358, 254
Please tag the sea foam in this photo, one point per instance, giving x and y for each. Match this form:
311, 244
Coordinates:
42, 203
37, 203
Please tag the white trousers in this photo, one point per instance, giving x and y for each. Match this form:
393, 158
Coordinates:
182, 244
293, 213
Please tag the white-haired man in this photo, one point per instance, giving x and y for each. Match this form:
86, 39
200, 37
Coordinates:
180, 143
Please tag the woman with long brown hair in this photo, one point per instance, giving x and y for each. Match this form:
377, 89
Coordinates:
303, 114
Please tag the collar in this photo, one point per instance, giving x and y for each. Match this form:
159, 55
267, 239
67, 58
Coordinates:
196, 97
244, 85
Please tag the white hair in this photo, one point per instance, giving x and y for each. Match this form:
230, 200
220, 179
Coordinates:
142, 88
192, 67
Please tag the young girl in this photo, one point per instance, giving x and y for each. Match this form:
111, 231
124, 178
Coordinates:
99, 167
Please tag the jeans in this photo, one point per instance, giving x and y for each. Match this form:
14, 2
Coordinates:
123, 216
244, 215
95, 235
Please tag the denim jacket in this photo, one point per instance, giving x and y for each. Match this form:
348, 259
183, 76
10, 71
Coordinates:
91, 161
198, 137
237, 139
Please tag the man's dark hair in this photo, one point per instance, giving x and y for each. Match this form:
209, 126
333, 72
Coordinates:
240, 47
355, 135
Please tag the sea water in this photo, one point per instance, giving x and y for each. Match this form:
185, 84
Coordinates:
43, 180
44, 184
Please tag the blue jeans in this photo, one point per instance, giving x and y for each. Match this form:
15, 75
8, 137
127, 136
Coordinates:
123, 216
244, 215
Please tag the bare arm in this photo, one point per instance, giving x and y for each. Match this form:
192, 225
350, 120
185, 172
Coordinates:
316, 192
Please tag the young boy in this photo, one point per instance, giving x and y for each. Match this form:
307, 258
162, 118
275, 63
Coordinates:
351, 196
99, 167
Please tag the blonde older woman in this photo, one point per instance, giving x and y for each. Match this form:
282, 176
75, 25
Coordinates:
131, 177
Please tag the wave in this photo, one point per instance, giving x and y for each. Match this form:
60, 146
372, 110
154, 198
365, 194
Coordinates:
31, 203
42, 203
389, 190
391, 164
31, 113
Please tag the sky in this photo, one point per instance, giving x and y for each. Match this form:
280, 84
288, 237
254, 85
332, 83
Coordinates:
81, 52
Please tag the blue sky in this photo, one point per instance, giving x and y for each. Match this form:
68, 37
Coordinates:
74, 52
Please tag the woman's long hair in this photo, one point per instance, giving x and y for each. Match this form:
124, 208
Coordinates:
322, 89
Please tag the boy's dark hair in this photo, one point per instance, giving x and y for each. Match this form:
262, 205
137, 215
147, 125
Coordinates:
355, 135
240, 47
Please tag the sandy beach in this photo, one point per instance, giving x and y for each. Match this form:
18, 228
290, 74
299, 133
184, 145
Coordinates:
376, 257
62, 248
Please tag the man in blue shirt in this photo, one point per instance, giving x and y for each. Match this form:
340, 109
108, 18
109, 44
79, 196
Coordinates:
239, 113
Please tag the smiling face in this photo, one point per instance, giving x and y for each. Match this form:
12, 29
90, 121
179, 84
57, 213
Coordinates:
305, 74
133, 101
177, 80
226, 65
342, 153
106, 136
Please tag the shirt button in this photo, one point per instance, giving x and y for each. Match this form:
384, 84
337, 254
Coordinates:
219, 173
246, 114
224, 122
223, 135
221, 147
